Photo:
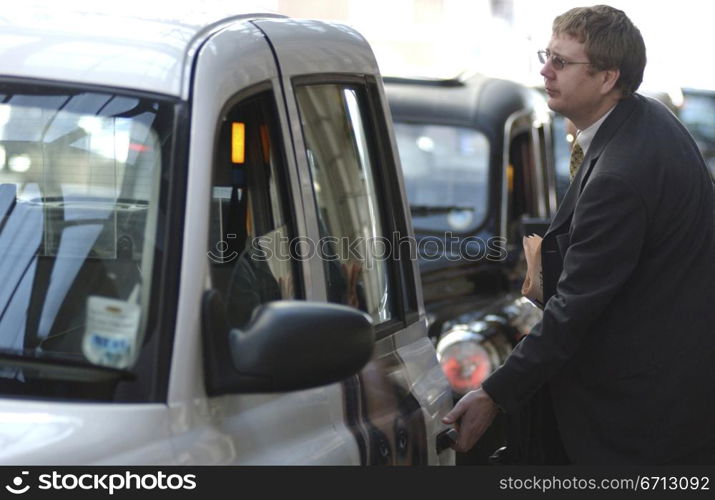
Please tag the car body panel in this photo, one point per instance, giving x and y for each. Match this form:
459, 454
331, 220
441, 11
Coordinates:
41, 433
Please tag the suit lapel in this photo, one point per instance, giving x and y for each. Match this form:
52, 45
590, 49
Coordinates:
568, 204
609, 127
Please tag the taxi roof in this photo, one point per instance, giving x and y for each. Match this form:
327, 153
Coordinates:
149, 50
477, 100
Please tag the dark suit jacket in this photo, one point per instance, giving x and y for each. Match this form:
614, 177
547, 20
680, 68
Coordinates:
627, 341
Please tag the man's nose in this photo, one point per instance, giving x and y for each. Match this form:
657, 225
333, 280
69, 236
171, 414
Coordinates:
547, 70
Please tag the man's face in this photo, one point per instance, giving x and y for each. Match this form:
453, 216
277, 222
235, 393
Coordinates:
573, 91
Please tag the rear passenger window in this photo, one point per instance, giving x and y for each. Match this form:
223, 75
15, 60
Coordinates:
249, 231
353, 244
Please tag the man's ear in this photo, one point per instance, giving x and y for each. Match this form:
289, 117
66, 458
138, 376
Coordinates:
609, 78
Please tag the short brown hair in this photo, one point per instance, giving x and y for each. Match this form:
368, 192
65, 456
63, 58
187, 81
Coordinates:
610, 39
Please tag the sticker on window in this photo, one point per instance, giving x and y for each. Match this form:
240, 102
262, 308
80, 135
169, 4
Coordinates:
112, 326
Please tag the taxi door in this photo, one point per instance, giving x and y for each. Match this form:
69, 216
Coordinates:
242, 183
357, 217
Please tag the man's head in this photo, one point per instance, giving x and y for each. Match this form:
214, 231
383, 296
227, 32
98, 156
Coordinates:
610, 40
612, 46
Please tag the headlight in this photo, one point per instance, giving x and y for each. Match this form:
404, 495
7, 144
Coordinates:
467, 357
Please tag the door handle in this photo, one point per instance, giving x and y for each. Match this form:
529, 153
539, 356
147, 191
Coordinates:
446, 438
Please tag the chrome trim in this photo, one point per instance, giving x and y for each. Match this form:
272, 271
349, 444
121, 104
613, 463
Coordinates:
508, 126
541, 208
550, 167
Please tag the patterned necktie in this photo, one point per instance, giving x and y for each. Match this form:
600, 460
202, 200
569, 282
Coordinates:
576, 159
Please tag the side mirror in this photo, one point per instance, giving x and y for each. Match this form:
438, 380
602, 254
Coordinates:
287, 345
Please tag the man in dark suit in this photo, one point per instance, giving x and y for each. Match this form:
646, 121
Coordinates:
626, 347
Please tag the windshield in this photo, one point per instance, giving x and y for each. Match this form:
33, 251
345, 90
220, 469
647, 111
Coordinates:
444, 166
79, 190
698, 114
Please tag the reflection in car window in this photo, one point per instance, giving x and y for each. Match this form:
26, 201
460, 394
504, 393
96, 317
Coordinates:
79, 194
249, 231
352, 235
445, 166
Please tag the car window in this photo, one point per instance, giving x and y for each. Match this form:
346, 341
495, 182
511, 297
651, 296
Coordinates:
444, 166
698, 114
354, 245
249, 235
80, 176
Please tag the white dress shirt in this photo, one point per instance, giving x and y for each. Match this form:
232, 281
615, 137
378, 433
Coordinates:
585, 137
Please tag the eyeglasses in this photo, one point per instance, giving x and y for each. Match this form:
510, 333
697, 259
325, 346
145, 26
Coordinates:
557, 62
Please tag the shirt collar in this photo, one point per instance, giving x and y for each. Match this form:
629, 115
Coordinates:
585, 137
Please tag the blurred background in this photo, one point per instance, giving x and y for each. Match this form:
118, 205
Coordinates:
442, 38
501, 37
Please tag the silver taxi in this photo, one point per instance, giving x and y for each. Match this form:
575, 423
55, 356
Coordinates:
205, 248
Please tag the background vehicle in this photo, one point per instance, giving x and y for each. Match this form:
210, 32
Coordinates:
477, 160
175, 195
698, 115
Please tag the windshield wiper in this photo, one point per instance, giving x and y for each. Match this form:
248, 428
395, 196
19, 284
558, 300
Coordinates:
424, 210
53, 366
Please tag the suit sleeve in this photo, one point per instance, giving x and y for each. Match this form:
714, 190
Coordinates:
607, 233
